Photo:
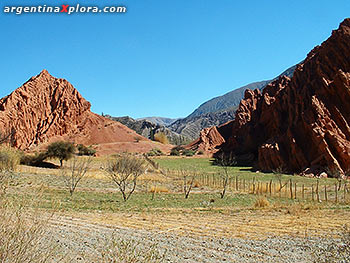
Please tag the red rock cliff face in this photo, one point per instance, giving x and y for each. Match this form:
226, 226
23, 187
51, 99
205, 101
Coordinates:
300, 122
46, 108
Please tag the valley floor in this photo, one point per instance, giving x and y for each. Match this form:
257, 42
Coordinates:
203, 228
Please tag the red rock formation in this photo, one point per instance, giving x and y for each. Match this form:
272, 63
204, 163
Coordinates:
46, 109
208, 141
303, 122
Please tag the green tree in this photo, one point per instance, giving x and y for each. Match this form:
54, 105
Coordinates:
61, 150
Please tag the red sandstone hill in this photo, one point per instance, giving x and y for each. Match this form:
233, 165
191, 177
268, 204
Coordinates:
46, 109
297, 123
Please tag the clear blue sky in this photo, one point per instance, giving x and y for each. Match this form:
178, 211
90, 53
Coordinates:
163, 57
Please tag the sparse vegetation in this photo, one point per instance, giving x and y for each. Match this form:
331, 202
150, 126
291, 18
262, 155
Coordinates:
23, 234
9, 159
115, 249
155, 152
84, 150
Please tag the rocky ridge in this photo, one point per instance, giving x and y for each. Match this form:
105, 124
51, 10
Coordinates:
299, 124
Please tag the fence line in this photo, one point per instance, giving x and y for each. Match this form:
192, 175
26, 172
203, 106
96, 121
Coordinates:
279, 188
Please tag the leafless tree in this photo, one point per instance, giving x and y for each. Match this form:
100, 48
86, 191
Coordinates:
225, 161
75, 171
188, 179
124, 171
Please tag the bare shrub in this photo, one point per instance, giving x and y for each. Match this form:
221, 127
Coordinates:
188, 180
117, 250
225, 161
161, 137
124, 170
74, 172
23, 235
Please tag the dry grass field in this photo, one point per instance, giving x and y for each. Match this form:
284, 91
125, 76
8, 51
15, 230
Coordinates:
159, 212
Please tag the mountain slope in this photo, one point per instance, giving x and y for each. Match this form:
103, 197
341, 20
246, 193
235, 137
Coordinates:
231, 99
191, 126
226, 101
158, 120
218, 110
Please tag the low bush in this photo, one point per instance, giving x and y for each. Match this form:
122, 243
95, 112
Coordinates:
176, 151
261, 202
115, 249
161, 137
187, 152
9, 159
33, 160
84, 150
155, 152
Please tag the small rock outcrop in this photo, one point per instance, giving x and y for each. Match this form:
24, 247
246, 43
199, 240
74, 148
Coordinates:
209, 140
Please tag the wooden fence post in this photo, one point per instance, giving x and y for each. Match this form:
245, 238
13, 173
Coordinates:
336, 192
254, 185
317, 192
325, 193
295, 190
291, 188
313, 198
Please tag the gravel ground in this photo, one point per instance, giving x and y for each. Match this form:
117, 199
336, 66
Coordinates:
80, 238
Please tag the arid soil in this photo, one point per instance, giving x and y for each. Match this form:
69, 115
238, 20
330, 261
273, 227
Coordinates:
80, 236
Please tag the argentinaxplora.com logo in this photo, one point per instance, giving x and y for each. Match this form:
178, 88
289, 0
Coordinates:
63, 9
